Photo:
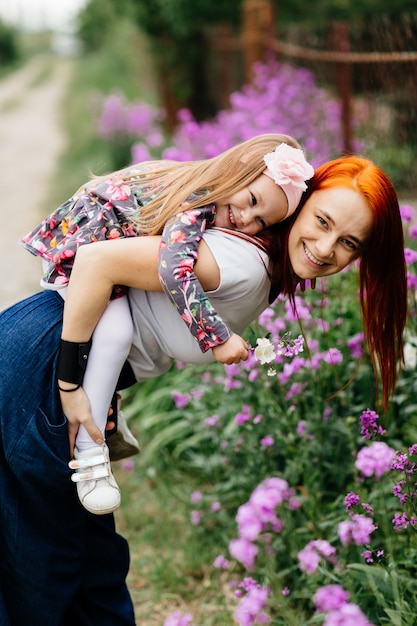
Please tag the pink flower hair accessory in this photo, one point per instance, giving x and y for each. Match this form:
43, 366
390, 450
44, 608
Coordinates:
288, 168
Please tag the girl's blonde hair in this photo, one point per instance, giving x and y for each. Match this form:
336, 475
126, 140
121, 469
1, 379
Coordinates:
173, 183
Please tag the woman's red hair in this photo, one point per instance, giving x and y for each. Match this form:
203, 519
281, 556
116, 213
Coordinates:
383, 283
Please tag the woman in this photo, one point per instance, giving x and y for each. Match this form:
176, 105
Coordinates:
63, 566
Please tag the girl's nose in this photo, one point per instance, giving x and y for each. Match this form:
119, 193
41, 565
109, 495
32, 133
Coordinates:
245, 217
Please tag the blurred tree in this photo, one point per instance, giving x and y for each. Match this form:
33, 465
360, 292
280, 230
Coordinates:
9, 44
178, 32
97, 20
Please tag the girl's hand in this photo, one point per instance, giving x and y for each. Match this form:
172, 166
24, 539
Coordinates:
77, 410
234, 350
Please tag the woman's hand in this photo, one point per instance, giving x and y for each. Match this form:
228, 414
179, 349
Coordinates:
77, 410
234, 350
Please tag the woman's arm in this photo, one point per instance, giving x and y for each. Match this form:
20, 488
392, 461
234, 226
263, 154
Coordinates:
131, 262
97, 268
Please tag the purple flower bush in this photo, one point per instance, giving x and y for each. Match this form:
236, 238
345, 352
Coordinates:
281, 99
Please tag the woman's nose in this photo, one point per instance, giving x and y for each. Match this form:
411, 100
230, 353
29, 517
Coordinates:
325, 246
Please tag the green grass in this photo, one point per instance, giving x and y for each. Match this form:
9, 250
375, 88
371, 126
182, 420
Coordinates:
171, 566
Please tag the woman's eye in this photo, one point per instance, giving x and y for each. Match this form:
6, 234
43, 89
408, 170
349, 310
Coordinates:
321, 220
349, 244
253, 200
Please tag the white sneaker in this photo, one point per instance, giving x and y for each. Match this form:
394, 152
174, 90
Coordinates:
122, 443
96, 486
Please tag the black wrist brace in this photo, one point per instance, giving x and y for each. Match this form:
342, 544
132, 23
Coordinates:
72, 361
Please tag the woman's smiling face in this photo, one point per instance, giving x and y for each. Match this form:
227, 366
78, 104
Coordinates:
329, 233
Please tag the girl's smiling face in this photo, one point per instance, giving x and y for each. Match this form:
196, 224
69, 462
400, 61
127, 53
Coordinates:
253, 208
330, 232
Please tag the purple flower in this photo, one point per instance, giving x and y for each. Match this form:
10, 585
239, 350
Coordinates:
368, 508
407, 212
367, 555
400, 462
250, 609
327, 412
355, 344
375, 460
410, 256
196, 496
333, 356
243, 551
351, 500
269, 494
267, 441
347, 615
128, 465
244, 416
301, 426
179, 619
310, 556
140, 153
220, 562
293, 503
369, 427
330, 597
195, 518
211, 421
401, 521
181, 399
248, 522
295, 390
308, 559
357, 530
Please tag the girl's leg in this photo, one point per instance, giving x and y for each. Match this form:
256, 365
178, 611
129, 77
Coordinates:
112, 340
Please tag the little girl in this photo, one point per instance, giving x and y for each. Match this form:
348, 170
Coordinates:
246, 189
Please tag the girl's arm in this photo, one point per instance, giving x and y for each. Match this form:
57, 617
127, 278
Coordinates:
178, 256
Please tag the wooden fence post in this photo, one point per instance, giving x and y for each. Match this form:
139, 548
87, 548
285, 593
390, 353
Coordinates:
258, 30
343, 72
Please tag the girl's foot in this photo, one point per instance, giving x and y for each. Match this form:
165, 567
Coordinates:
96, 486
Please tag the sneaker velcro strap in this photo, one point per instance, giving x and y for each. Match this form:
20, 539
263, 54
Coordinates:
93, 474
88, 462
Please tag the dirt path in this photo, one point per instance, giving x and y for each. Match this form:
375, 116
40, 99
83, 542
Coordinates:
31, 140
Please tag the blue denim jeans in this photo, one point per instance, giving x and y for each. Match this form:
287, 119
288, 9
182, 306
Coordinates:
59, 565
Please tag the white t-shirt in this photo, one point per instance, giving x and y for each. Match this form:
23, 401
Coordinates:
161, 336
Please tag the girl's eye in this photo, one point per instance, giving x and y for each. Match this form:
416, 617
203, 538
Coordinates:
261, 222
253, 200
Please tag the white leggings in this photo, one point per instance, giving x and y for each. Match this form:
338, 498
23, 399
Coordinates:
111, 343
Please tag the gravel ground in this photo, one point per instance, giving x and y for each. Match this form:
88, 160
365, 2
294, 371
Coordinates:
31, 140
